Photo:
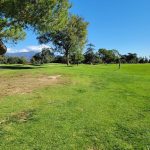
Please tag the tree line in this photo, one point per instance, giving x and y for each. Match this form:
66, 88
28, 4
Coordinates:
90, 56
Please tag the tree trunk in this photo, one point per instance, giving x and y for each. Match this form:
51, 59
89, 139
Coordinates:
3, 48
67, 59
119, 64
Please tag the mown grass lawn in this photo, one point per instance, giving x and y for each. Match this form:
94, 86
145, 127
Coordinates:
93, 107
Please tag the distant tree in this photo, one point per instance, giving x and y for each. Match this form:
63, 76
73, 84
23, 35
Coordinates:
3, 60
41, 15
132, 58
102, 52
59, 59
76, 57
89, 55
117, 56
12, 60
22, 60
108, 56
123, 59
69, 40
146, 60
141, 60
97, 59
45, 56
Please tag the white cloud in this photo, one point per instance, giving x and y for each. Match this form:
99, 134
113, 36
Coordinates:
38, 48
11, 50
35, 48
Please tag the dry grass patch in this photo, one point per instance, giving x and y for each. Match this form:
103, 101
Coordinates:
22, 84
19, 117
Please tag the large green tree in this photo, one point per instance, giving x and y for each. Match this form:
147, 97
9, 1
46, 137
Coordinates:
69, 40
41, 15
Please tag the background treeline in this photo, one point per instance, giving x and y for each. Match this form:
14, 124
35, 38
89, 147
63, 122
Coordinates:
12, 60
91, 56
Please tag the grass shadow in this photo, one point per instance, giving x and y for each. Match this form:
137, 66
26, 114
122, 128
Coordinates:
19, 67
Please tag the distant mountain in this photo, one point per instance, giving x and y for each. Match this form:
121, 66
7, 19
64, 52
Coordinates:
27, 55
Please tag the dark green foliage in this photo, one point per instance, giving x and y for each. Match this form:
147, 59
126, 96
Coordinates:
12, 60
3, 60
108, 56
59, 59
76, 58
89, 54
130, 58
143, 60
97, 59
22, 60
45, 56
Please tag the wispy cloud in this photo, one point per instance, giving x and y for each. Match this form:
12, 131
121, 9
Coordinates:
35, 48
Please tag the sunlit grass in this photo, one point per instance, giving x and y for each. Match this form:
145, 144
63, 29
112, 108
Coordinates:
95, 107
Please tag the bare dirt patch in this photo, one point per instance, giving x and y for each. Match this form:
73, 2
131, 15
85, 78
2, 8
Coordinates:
22, 84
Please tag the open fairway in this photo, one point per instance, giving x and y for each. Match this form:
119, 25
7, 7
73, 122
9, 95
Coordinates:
85, 107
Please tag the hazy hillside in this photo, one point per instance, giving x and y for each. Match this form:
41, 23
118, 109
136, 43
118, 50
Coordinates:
27, 55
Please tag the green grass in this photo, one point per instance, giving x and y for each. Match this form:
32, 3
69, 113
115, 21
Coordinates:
98, 107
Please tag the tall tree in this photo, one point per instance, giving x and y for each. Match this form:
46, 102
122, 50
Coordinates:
69, 40
41, 15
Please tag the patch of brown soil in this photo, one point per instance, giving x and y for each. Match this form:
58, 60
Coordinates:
25, 83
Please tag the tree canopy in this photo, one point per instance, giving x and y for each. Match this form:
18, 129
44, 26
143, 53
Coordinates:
69, 40
41, 15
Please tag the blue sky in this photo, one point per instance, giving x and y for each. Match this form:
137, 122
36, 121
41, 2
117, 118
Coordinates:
114, 24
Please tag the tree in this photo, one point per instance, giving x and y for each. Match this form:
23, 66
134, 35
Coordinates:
89, 54
45, 56
77, 57
41, 15
117, 56
131, 58
146, 60
102, 54
108, 56
12, 60
3, 60
69, 40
